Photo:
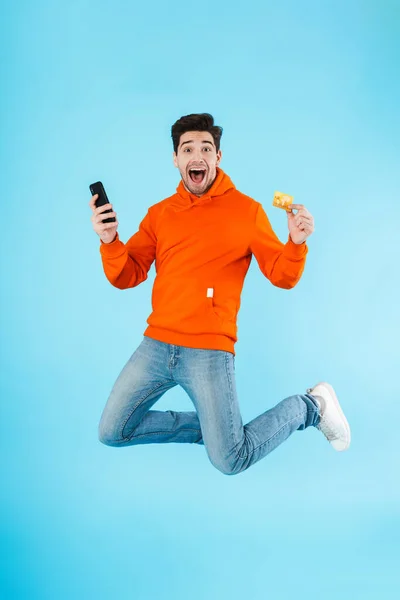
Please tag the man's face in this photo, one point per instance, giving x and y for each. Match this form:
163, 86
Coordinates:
197, 150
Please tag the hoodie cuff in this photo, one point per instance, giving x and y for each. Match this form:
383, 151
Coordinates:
295, 250
113, 249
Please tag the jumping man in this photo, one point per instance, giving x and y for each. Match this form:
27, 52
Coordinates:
203, 238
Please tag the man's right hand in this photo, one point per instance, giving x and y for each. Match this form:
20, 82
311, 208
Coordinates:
106, 231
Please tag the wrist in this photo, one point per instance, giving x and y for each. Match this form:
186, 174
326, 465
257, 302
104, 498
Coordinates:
296, 243
113, 240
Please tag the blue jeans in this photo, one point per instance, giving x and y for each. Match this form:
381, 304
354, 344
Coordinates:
208, 377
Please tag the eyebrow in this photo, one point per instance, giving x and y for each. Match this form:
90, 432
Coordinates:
191, 142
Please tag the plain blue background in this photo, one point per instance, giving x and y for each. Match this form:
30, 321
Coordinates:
308, 96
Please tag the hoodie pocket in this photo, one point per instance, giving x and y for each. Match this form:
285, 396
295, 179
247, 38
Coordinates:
223, 307
184, 306
210, 303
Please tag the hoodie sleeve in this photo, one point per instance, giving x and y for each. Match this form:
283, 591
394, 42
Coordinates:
282, 264
127, 265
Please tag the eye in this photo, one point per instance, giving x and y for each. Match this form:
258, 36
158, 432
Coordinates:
205, 148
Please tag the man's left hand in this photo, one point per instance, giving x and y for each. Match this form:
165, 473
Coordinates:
301, 224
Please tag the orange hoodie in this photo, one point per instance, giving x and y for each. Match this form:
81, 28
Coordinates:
203, 248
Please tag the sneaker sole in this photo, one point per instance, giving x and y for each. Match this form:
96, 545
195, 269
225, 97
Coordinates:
346, 424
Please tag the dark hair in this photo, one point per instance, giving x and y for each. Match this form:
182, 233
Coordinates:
195, 122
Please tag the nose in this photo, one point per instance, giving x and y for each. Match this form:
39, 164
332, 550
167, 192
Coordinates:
197, 164
197, 157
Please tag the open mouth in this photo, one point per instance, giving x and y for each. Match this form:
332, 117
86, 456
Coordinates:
197, 175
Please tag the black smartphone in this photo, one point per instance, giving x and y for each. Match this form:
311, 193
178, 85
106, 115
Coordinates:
98, 188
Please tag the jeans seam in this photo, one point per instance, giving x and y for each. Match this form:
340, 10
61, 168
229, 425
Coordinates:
270, 438
135, 407
164, 431
230, 398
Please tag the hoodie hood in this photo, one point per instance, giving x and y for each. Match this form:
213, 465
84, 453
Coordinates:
183, 199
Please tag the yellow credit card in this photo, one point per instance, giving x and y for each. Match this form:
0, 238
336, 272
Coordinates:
282, 200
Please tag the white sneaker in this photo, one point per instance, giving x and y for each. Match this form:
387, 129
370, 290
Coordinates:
333, 423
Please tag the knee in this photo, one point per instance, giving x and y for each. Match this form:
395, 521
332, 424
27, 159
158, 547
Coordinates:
228, 470
227, 467
104, 439
106, 436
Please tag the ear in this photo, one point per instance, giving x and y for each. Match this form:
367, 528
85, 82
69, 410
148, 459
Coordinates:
174, 157
219, 156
